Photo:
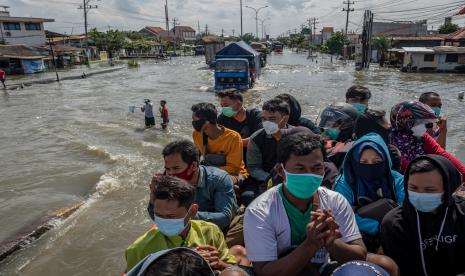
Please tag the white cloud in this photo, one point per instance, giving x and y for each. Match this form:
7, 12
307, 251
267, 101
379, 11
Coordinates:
218, 14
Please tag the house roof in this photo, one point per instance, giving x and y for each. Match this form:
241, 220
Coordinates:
211, 39
25, 19
155, 30
449, 49
185, 29
20, 52
460, 34
418, 50
418, 38
327, 30
67, 38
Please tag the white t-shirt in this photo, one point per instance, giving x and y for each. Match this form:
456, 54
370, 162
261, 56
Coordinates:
267, 231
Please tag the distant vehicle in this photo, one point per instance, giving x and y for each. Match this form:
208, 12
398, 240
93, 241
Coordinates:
262, 49
211, 49
237, 66
199, 50
278, 47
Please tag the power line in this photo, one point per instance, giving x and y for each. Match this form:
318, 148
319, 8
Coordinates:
348, 10
86, 7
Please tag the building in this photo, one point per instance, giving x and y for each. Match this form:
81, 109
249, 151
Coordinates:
155, 32
20, 59
417, 41
326, 34
184, 33
436, 59
402, 28
27, 31
455, 39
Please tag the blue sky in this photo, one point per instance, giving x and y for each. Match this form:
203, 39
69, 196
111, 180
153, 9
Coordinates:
224, 14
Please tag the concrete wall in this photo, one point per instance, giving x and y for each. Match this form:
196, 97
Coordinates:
418, 60
23, 36
448, 66
392, 28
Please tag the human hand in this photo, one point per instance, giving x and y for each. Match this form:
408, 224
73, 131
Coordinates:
319, 229
211, 255
442, 124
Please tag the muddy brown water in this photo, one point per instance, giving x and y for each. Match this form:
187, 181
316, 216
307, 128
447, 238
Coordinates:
72, 142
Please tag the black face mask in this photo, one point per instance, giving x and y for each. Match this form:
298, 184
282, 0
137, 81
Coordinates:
198, 124
371, 172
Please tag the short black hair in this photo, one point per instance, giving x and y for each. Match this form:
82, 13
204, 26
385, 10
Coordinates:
358, 92
425, 96
277, 105
180, 262
298, 144
376, 115
284, 97
205, 111
163, 102
188, 150
231, 94
173, 189
422, 166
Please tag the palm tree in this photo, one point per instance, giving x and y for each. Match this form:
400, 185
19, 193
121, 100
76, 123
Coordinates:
382, 44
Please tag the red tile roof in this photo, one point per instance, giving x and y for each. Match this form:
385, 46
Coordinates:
460, 34
185, 29
155, 30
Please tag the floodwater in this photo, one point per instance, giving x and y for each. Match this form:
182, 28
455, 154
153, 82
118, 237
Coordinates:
62, 144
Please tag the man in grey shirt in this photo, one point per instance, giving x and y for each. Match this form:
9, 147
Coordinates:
148, 112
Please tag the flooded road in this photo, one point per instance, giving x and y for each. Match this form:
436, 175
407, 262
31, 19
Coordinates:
62, 144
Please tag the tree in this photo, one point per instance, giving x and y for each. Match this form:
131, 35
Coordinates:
448, 28
382, 44
113, 40
296, 39
336, 43
249, 37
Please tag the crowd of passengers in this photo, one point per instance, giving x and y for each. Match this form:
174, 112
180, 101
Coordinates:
267, 192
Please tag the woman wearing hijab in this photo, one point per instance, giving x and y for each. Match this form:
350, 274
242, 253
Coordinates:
426, 235
367, 178
410, 122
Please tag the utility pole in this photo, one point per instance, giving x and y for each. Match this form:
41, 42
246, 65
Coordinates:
241, 21
366, 39
233, 32
198, 27
206, 29
222, 32
166, 17
256, 17
263, 26
174, 35
54, 61
86, 7
348, 10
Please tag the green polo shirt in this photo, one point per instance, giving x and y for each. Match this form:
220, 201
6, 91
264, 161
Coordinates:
200, 233
297, 220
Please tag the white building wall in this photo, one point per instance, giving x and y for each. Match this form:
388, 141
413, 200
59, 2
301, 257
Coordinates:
23, 36
443, 65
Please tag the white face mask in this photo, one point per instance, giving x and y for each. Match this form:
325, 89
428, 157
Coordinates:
419, 130
270, 127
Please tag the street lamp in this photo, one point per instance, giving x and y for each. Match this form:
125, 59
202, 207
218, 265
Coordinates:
256, 16
263, 28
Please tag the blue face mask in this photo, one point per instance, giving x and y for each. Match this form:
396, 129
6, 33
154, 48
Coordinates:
361, 108
425, 202
437, 111
170, 227
302, 186
333, 133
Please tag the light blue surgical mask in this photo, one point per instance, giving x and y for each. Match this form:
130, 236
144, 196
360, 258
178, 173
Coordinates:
302, 186
425, 202
437, 111
170, 227
361, 108
333, 133
229, 112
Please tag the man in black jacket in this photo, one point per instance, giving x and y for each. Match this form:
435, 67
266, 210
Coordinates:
426, 235
295, 115
236, 117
